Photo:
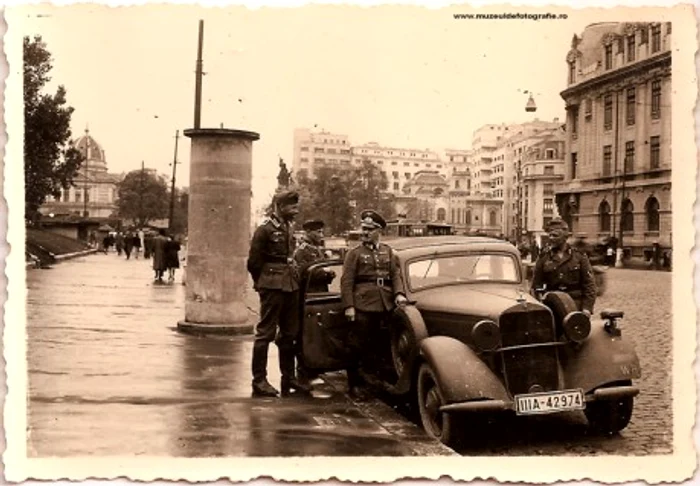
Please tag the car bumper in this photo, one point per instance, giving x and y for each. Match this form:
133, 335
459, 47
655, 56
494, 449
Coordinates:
485, 406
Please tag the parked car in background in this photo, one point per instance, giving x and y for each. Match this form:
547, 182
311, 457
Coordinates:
474, 341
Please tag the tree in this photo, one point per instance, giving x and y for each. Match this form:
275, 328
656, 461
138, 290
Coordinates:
368, 188
50, 160
325, 197
143, 197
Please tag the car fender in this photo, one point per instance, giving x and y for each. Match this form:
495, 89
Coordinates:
599, 360
460, 372
410, 317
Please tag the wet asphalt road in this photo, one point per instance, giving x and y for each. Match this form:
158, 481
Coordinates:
110, 375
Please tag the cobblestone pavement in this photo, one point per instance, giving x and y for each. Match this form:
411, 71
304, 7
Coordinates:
645, 296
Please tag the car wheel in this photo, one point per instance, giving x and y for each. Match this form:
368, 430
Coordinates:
403, 348
437, 424
609, 417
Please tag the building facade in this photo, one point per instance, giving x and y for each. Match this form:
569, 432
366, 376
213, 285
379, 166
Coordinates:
459, 188
425, 197
400, 165
617, 177
94, 190
319, 149
541, 169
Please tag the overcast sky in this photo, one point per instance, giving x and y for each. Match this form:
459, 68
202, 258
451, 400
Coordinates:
401, 76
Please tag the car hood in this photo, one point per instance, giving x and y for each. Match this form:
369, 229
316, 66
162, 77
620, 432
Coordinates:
472, 299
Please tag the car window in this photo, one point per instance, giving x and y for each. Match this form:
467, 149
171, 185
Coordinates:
462, 268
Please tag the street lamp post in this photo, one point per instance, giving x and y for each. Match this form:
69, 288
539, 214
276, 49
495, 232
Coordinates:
172, 185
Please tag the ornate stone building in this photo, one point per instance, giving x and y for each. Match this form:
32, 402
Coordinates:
425, 197
94, 190
617, 178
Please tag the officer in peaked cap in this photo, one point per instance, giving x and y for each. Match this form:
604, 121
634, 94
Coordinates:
564, 268
371, 287
275, 274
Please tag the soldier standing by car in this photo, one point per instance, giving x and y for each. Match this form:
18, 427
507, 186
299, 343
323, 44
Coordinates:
275, 277
310, 251
564, 268
371, 287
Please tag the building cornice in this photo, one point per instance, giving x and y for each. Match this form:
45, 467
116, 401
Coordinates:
630, 71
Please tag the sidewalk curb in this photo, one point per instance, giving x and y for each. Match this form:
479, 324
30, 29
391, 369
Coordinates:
380, 412
68, 256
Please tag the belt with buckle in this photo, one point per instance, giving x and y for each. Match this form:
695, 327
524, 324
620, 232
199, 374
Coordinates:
380, 281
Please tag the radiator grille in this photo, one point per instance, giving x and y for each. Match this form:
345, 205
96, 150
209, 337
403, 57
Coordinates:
531, 366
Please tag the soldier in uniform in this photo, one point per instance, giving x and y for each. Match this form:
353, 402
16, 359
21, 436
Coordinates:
275, 275
371, 287
561, 267
310, 251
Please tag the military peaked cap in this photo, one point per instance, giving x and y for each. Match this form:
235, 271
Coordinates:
286, 197
313, 225
371, 219
557, 223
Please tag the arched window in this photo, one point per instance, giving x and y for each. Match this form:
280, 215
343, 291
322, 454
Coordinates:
492, 218
627, 215
441, 214
652, 212
604, 216
468, 216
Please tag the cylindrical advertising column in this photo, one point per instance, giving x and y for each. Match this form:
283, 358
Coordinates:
218, 231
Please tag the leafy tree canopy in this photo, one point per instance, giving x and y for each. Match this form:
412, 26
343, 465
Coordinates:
338, 196
143, 197
50, 160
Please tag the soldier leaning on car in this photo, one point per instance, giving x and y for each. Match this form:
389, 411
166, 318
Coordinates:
371, 287
561, 267
275, 276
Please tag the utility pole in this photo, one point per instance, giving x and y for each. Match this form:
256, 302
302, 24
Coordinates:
616, 150
198, 79
87, 180
143, 171
172, 185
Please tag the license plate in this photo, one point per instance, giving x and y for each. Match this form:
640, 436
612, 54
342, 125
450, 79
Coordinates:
549, 402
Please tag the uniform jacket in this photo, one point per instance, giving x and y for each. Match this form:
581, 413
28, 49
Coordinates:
572, 274
270, 261
307, 254
362, 267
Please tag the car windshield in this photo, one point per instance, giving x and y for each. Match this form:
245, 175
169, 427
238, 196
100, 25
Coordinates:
448, 269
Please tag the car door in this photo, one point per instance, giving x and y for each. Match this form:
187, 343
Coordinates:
324, 326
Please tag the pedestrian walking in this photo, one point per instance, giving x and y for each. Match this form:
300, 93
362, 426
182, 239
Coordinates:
564, 268
610, 256
275, 276
172, 257
119, 243
138, 242
371, 287
310, 251
159, 255
128, 244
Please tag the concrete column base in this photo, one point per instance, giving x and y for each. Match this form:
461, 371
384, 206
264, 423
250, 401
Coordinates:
223, 329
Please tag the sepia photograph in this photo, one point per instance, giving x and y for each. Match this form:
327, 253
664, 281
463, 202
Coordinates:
346, 242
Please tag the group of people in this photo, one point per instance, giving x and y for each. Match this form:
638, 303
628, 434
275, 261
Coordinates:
166, 256
163, 248
371, 287
128, 242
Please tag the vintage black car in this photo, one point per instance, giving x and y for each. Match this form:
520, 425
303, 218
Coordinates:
474, 341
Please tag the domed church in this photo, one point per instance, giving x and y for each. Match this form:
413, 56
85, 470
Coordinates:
94, 190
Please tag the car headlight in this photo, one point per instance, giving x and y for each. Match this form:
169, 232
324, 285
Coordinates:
486, 335
576, 326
